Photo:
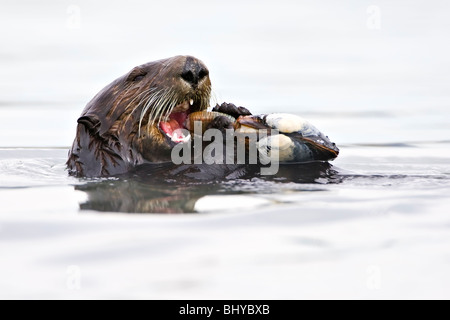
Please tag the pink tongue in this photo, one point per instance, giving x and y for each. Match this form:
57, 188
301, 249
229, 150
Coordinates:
170, 126
180, 117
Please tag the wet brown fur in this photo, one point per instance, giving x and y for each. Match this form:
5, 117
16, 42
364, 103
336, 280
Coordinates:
112, 137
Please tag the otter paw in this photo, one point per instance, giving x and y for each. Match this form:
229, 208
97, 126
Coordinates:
232, 110
220, 123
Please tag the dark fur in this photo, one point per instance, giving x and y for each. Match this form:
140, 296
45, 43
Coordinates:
107, 139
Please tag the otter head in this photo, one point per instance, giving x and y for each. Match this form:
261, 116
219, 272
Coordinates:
136, 118
164, 93
167, 94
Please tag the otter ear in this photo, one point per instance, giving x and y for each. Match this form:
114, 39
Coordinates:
91, 123
138, 73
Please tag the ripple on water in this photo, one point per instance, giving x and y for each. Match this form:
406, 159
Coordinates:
30, 168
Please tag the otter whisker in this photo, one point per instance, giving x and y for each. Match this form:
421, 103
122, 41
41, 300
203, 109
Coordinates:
148, 103
150, 100
139, 95
151, 96
169, 109
146, 106
143, 96
158, 102
212, 99
158, 105
169, 105
165, 104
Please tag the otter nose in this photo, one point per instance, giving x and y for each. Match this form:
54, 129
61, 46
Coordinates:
194, 71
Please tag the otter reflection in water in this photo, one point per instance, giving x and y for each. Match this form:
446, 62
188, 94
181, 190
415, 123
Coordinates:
140, 128
166, 188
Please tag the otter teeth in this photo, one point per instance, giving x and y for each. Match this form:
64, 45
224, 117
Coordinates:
178, 136
191, 102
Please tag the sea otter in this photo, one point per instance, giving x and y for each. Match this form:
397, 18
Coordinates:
137, 120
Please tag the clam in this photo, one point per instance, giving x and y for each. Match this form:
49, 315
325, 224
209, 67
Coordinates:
287, 137
205, 117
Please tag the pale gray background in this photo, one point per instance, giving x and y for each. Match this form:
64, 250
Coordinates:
382, 94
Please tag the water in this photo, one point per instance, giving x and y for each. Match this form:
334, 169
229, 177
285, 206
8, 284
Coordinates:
372, 225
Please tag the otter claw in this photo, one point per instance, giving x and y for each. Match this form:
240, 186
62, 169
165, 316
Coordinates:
232, 110
221, 123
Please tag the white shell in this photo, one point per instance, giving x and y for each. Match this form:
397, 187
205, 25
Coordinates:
277, 147
245, 129
289, 123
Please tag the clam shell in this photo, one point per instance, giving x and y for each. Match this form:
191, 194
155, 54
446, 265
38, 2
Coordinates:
205, 117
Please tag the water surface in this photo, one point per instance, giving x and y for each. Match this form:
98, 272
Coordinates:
372, 224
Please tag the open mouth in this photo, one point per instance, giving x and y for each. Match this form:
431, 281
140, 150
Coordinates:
174, 128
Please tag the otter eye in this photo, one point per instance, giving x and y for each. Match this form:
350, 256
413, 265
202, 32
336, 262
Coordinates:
137, 74
139, 77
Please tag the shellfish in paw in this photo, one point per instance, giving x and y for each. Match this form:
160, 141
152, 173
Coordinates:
297, 141
289, 137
